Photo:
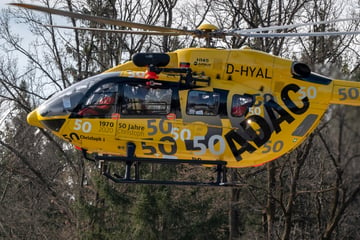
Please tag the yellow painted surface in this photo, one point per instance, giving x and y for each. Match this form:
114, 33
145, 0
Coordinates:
286, 110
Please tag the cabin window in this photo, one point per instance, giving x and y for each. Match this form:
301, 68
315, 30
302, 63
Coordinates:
140, 99
240, 104
203, 103
101, 102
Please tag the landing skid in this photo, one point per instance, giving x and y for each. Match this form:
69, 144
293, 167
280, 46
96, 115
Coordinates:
132, 164
136, 163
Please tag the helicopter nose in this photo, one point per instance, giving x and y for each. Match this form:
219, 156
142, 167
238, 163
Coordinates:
32, 119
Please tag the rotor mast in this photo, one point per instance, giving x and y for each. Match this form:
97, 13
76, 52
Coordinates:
206, 31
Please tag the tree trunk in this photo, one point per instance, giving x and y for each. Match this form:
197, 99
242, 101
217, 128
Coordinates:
234, 211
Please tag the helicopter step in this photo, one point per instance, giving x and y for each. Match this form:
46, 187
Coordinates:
133, 163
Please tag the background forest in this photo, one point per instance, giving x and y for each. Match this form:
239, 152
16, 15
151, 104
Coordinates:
48, 191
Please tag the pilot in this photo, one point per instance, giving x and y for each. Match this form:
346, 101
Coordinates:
102, 105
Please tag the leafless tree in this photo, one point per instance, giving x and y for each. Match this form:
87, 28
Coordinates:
52, 192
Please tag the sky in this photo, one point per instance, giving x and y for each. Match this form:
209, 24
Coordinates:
2, 4
20, 29
26, 41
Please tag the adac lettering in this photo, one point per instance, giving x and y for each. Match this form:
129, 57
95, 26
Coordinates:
248, 139
249, 71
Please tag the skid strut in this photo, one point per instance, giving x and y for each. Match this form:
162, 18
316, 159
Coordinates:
132, 162
130, 153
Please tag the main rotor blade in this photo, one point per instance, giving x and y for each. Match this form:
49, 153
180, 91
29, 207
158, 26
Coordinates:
100, 19
270, 28
310, 34
116, 30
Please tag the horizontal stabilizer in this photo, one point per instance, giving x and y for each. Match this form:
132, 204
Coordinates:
346, 93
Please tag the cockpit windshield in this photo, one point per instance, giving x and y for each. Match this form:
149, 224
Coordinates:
64, 102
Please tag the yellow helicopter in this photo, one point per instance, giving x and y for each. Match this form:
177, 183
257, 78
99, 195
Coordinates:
229, 108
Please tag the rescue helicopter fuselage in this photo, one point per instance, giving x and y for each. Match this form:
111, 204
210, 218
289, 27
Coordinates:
240, 106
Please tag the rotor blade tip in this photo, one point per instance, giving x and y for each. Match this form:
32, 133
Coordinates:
24, 5
15, 4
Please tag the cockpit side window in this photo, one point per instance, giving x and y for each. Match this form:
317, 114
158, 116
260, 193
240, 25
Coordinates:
101, 102
240, 104
203, 103
139, 99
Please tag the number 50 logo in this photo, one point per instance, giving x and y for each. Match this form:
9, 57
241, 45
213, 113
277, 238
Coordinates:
82, 125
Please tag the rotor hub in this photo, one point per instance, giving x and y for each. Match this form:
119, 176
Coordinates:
207, 27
